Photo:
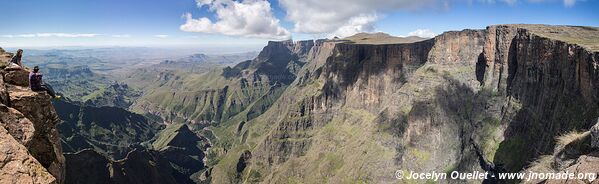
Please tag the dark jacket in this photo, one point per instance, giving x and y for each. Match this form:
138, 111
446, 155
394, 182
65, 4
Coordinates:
16, 59
35, 81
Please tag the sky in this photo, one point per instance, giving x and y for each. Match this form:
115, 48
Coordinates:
251, 23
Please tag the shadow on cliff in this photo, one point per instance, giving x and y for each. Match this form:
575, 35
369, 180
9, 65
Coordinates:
469, 111
457, 108
542, 100
362, 61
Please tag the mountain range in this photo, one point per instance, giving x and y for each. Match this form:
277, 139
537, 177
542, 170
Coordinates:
522, 98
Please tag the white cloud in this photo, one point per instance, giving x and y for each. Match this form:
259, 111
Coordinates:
161, 36
341, 17
62, 35
361, 23
248, 18
567, 3
424, 33
121, 36
19, 36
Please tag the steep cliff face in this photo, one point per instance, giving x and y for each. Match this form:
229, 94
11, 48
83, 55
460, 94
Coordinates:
550, 81
18, 166
29, 119
360, 111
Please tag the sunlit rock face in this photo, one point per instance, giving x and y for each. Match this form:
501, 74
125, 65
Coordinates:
29, 135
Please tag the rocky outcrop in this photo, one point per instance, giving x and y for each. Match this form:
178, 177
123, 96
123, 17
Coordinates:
17, 77
16, 124
28, 119
586, 166
17, 165
573, 154
4, 57
45, 145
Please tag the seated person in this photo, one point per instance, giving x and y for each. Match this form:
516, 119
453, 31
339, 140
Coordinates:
15, 62
17, 58
36, 84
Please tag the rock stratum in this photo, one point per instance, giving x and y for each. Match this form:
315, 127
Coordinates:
30, 150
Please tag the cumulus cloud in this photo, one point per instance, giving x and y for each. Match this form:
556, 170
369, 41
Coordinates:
424, 33
161, 36
62, 35
254, 18
248, 18
357, 24
341, 18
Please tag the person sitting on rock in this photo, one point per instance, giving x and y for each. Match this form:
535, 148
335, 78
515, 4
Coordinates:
17, 58
36, 84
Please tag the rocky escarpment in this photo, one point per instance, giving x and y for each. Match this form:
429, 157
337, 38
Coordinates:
550, 82
31, 144
360, 111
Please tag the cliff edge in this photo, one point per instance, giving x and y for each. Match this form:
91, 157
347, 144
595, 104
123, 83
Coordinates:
30, 150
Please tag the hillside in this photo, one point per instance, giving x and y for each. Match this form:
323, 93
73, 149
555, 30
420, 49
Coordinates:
110, 131
113, 95
218, 94
185, 151
356, 109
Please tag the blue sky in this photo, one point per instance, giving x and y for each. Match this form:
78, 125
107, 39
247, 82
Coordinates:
227, 23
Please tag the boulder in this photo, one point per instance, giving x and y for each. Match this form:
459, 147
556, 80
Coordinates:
17, 77
18, 166
595, 136
45, 145
19, 127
